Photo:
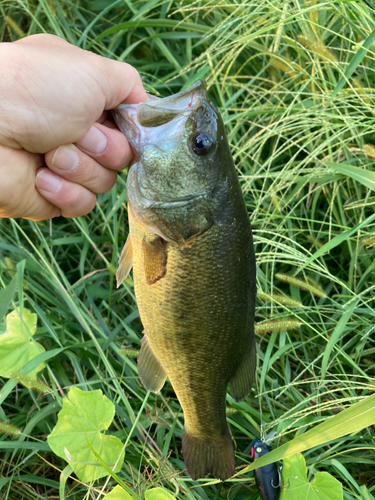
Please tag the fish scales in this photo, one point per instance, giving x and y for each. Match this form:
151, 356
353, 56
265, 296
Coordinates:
195, 309
195, 285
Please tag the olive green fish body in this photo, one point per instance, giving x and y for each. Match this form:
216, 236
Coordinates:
198, 318
194, 277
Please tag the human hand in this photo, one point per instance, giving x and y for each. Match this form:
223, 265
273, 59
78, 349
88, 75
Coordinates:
58, 146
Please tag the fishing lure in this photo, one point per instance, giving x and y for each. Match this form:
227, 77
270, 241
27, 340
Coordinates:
267, 477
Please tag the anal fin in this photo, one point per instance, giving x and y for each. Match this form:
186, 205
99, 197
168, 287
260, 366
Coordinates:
125, 262
241, 383
150, 370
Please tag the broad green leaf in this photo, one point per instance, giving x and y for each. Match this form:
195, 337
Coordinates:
158, 494
118, 494
353, 419
297, 486
83, 417
111, 473
16, 344
365, 177
6, 296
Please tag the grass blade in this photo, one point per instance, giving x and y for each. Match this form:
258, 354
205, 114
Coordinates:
335, 336
334, 242
353, 65
353, 419
365, 177
6, 296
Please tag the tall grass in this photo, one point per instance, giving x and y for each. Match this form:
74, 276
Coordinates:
279, 72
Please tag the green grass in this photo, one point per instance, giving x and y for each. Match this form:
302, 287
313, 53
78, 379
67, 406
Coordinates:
295, 88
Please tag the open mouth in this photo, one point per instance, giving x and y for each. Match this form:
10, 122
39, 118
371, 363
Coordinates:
140, 122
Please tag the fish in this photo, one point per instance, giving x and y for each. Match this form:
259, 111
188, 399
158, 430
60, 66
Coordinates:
191, 249
267, 477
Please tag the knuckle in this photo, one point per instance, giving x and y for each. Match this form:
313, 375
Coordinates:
42, 210
80, 205
119, 153
85, 168
119, 161
79, 201
91, 205
17, 187
79, 172
108, 182
88, 174
133, 72
93, 175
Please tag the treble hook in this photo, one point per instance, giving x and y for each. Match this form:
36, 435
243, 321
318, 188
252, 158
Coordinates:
280, 485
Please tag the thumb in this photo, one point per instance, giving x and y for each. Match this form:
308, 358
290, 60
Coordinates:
123, 84
55, 92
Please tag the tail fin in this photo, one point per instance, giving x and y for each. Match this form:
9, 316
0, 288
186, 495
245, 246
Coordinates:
205, 456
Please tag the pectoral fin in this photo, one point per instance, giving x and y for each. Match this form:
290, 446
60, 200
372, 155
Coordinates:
241, 383
125, 262
155, 260
150, 370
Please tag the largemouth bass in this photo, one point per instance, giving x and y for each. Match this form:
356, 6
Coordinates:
190, 245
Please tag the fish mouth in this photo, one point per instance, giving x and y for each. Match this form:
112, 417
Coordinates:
139, 122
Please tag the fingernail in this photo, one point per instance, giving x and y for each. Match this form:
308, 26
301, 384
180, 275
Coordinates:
94, 141
48, 181
65, 158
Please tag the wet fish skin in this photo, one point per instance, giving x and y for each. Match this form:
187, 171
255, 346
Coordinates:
194, 269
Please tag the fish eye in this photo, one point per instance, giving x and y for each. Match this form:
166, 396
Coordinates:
201, 143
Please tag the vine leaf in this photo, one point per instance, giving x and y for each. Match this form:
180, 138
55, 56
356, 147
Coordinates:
17, 346
158, 494
118, 493
83, 417
297, 486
